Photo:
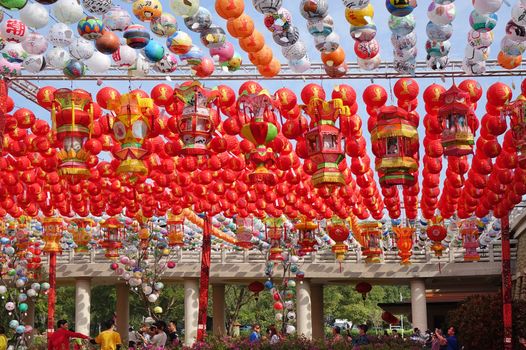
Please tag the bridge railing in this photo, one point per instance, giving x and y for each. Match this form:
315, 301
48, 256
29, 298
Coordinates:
491, 253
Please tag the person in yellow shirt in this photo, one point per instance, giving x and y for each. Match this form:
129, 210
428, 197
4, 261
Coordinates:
109, 339
3, 339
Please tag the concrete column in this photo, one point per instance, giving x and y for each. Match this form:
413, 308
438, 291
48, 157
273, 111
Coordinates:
82, 305
318, 317
418, 304
303, 307
218, 304
123, 311
191, 309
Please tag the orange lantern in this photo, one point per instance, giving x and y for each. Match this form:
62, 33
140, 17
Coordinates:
469, 230
371, 232
144, 232
404, 242
436, 231
240, 27
338, 232
80, 230
306, 232
252, 43
52, 232
228, 9
113, 233
195, 125
275, 235
175, 230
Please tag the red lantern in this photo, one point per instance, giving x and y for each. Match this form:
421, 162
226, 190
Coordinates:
436, 232
339, 233
256, 288
306, 232
113, 233
363, 288
369, 237
374, 96
406, 89
162, 94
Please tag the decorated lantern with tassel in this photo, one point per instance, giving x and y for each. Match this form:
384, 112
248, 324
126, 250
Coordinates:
258, 111
51, 234
34, 261
80, 229
276, 235
244, 232
113, 233
306, 233
516, 111
144, 232
131, 127
324, 140
338, 232
455, 116
404, 242
436, 232
72, 119
469, 230
195, 125
371, 233
395, 145
175, 230
363, 288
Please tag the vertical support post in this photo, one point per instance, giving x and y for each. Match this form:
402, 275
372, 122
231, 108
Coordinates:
218, 302
82, 305
52, 293
205, 276
304, 319
506, 283
191, 300
418, 304
123, 311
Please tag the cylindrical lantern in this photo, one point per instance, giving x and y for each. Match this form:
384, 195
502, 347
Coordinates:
113, 233
52, 232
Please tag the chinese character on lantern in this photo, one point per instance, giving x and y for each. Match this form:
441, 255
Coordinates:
195, 124
258, 111
456, 118
244, 232
436, 232
113, 233
72, 118
395, 144
469, 230
371, 233
80, 229
51, 235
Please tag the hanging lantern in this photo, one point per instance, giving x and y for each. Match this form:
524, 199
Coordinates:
175, 229
363, 288
51, 234
306, 231
80, 231
456, 118
34, 261
258, 109
404, 242
469, 230
195, 125
21, 235
276, 235
324, 140
436, 232
395, 145
113, 233
144, 233
256, 288
516, 111
245, 228
371, 233
338, 232
131, 128
72, 118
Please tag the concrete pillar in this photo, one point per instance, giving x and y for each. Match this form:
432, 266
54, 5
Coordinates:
191, 309
218, 304
82, 305
318, 317
303, 307
123, 311
418, 304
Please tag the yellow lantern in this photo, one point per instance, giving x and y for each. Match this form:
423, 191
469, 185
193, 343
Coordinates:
371, 232
52, 232
404, 242
81, 234
175, 228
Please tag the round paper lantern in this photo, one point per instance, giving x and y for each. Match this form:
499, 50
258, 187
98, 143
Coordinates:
200, 21
438, 48
214, 36
13, 4
45, 96
98, 7
487, 6
399, 8
327, 44
57, 57
9, 68
108, 43
334, 58
165, 25
511, 47
401, 25
482, 22
137, 36
286, 38
359, 16
74, 69
480, 40
321, 26
147, 10
279, 21
300, 66
261, 57
90, 28
34, 15
473, 88
507, 61
336, 71
253, 42
35, 44
184, 8
98, 63
222, 53
476, 54
81, 49
439, 32
205, 68
314, 8
34, 63
240, 27
366, 49
192, 57
116, 18
229, 8
14, 52
124, 57
267, 6
311, 91
374, 96
515, 32
179, 43
498, 94
363, 33
60, 35
271, 69
13, 30
441, 14
154, 51
473, 67
369, 64
406, 89
168, 64
68, 11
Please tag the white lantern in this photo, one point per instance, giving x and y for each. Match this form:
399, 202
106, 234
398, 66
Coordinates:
480, 40
13, 30
98, 63
152, 298
441, 14
124, 57
279, 316
291, 315
167, 64
267, 6
81, 49
518, 14
487, 6
158, 285
295, 52
34, 63
140, 68
511, 47
327, 43
14, 52
60, 35
117, 18
3, 290
34, 15
147, 290
369, 64
476, 54
35, 44
355, 4
473, 67
290, 329
515, 32
10, 306
57, 57
19, 283
98, 7
184, 8
68, 11
31, 293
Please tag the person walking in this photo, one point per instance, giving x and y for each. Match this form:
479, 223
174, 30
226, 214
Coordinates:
362, 338
109, 339
59, 339
255, 336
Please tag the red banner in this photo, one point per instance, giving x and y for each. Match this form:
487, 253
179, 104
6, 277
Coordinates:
203, 283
